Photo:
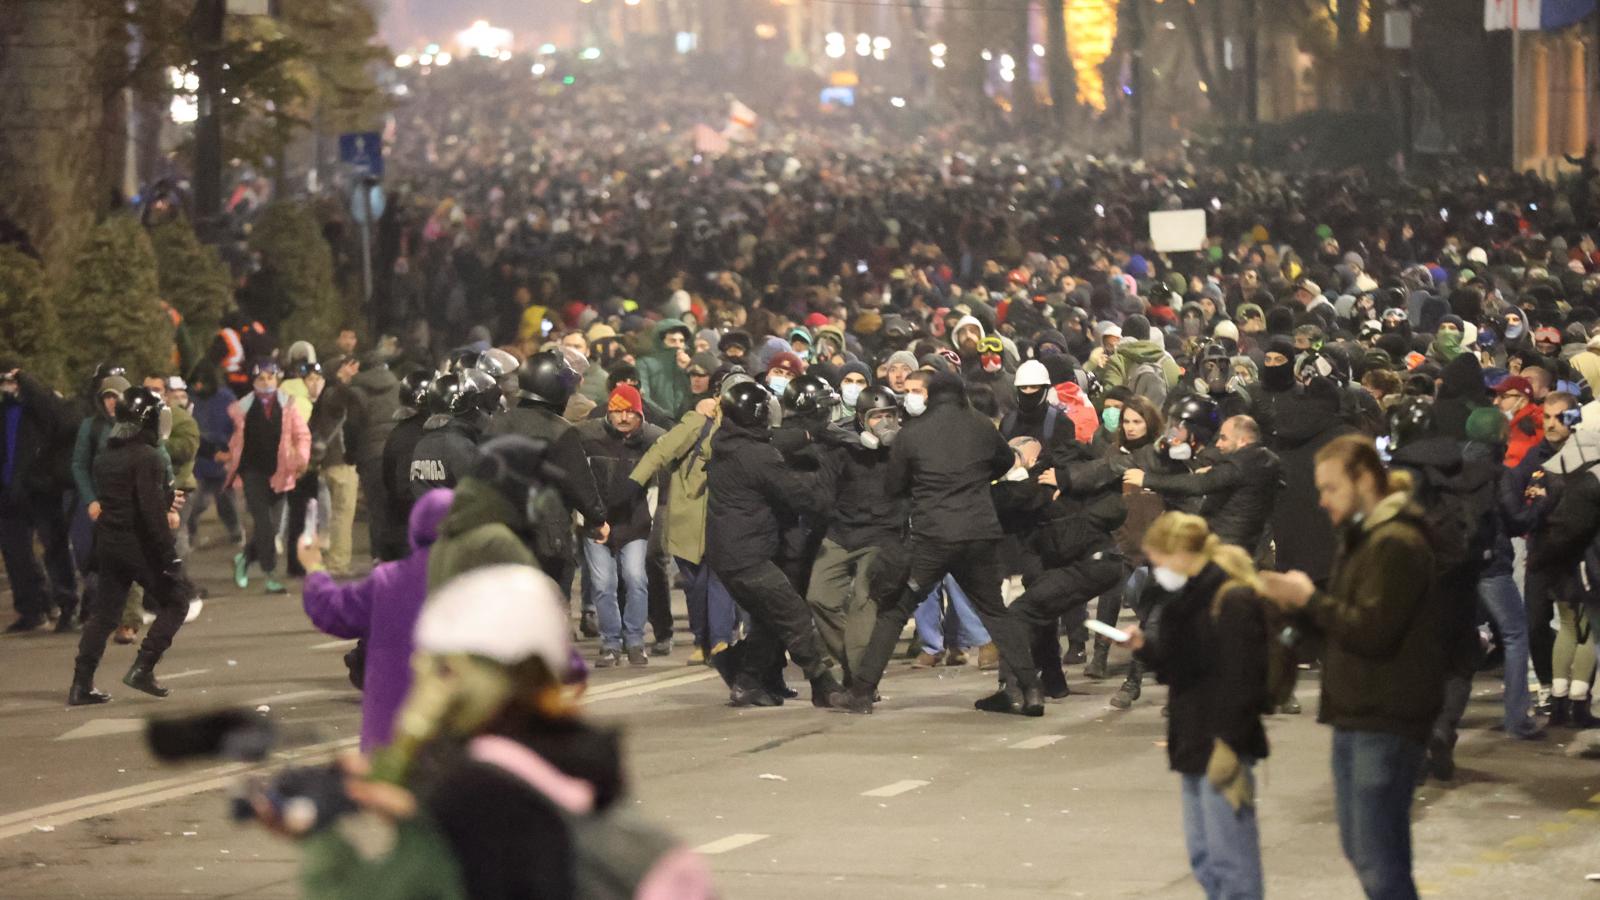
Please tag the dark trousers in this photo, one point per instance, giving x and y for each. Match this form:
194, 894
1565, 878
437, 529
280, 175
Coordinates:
779, 620
1541, 609
169, 597
32, 591
212, 491
382, 531
658, 569
264, 505
1057, 592
976, 567
305, 491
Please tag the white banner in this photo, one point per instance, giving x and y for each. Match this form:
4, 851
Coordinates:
1178, 231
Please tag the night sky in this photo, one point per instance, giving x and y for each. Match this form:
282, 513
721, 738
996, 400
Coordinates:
408, 23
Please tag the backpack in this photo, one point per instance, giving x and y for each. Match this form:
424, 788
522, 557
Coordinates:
617, 855
1150, 382
1459, 528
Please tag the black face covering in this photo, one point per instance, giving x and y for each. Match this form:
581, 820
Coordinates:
1278, 378
1032, 403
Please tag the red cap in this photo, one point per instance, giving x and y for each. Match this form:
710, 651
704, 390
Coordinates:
625, 398
816, 320
788, 362
1514, 383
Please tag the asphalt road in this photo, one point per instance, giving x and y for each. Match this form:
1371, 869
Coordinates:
926, 797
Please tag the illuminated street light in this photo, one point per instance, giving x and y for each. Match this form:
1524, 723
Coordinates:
897, 102
547, 49
834, 51
1006, 62
939, 49
1008, 74
403, 61
426, 59
1038, 49
834, 37
484, 39
184, 110
880, 43
443, 59
590, 53
538, 69
987, 56
766, 31
631, 2
938, 62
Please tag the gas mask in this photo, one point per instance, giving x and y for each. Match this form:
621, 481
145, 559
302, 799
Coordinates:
880, 434
1178, 450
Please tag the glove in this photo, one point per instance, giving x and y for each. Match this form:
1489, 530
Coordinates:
1229, 777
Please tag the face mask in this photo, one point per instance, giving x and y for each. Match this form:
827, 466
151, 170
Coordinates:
1170, 581
1278, 378
1017, 474
265, 392
1449, 344
1111, 417
916, 404
880, 434
1180, 452
991, 363
1513, 331
777, 383
850, 393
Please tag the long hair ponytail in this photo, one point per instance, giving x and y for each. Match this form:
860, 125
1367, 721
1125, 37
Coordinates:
1179, 532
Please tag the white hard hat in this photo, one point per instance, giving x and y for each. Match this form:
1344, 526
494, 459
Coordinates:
506, 613
1032, 374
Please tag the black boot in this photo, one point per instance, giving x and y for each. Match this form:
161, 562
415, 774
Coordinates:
82, 692
1442, 757
1558, 712
823, 689
727, 663
1074, 654
1131, 688
1581, 716
747, 692
777, 687
858, 699
142, 677
1006, 700
1033, 701
1096, 669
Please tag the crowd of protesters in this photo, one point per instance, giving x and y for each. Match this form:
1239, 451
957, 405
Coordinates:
832, 381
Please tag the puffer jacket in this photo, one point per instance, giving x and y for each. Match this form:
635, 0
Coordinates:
294, 447
379, 393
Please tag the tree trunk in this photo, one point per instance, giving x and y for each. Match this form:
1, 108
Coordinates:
1023, 97
1063, 81
59, 155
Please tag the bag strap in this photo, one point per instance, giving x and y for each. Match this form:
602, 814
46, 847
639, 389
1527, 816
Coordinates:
572, 795
699, 442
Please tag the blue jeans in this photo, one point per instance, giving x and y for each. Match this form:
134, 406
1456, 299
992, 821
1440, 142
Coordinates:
1224, 846
711, 608
619, 627
1374, 777
968, 631
1504, 603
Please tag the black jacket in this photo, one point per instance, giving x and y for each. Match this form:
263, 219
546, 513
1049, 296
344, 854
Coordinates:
443, 456
748, 486
1216, 669
398, 449
369, 429
1240, 489
611, 458
332, 414
862, 512
46, 430
579, 492
1302, 531
945, 461
135, 494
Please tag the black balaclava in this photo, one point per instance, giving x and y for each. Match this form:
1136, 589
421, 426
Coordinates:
1278, 379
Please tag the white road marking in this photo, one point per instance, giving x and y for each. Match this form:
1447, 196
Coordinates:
186, 673
896, 789
102, 727
1035, 743
335, 645
731, 842
295, 695
652, 688
596, 690
153, 792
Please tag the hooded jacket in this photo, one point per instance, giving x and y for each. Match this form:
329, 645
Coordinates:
483, 528
1383, 664
1131, 355
682, 454
945, 461
1573, 522
383, 609
661, 382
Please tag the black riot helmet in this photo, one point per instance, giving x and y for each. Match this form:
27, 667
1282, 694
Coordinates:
142, 411
414, 392
485, 389
546, 380
1410, 421
452, 395
465, 358
875, 398
749, 404
1198, 414
502, 367
809, 395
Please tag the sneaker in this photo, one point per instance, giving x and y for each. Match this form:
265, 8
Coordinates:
927, 660
1290, 707
275, 586
662, 647
637, 657
195, 606
608, 659
697, 658
241, 571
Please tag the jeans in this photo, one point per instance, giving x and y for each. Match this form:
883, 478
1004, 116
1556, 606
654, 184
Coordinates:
622, 627
967, 630
975, 565
711, 609
211, 491
1374, 776
1224, 845
1501, 598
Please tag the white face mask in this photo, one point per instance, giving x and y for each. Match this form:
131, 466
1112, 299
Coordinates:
851, 393
1170, 581
1180, 452
777, 383
916, 404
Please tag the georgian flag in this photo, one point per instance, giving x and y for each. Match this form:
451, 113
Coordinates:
1534, 15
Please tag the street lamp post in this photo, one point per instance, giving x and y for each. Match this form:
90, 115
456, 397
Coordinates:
208, 19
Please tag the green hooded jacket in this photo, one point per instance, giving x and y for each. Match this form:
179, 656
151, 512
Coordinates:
683, 453
483, 528
1131, 355
661, 382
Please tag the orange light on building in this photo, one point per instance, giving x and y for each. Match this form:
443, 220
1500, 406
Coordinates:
1091, 32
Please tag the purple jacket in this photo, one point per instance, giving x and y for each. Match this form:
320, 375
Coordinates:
383, 608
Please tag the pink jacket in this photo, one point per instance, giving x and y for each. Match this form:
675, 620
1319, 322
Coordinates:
294, 448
